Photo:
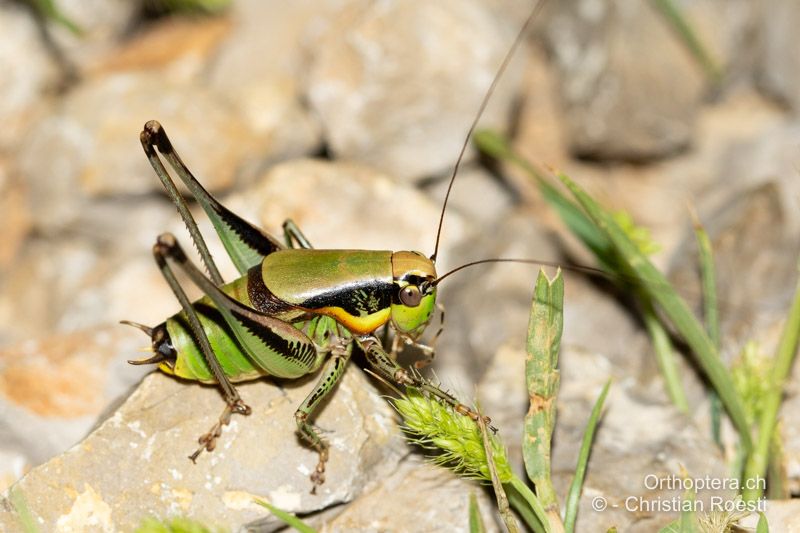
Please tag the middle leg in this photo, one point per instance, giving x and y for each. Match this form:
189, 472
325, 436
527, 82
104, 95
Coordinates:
333, 371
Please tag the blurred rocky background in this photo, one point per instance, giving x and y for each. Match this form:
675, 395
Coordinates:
347, 116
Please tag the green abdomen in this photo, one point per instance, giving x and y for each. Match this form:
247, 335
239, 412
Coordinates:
237, 365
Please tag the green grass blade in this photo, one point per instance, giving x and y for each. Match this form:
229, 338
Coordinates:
656, 287
708, 278
543, 379
778, 487
290, 519
476, 524
49, 10
684, 29
672, 527
587, 232
497, 146
190, 6
756, 466
527, 505
574, 494
762, 526
20, 505
665, 356
175, 525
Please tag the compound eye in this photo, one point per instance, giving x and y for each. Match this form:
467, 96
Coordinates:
410, 295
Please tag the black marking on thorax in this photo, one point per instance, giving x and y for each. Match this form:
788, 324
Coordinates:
261, 297
358, 299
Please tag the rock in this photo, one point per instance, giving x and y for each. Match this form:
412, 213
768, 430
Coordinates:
26, 77
396, 84
487, 306
781, 515
94, 148
436, 497
768, 156
267, 91
101, 24
755, 253
179, 48
52, 391
476, 195
350, 206
779, 72
619, 103
96, 271
145, 442
16, 222
13, 465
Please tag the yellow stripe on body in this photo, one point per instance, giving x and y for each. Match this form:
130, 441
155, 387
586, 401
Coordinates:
356, 324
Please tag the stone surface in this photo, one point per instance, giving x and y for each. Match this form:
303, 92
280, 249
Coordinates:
266, 86
781, 516
750, 212
397, 84
62, 284
143, 470
476, 195
779, 72
637, 442
95, 149
620, 103
101, 24
394, 87
26, 76
52, 391
350, 206
15, 222
436, 498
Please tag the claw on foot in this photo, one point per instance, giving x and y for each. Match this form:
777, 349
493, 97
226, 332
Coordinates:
466, 411
318, 477
208, 441
422, 363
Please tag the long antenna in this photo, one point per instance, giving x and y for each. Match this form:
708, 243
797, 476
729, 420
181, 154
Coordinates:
484, 103
574, 268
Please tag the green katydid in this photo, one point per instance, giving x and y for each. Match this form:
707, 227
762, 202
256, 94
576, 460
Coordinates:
294, 309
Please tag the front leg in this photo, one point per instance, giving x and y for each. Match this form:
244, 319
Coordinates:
388, 368
428, 350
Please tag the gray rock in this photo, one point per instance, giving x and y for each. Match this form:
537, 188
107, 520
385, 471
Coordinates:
134, 464
16, 221
397, 84
94, 272
102, 23
779, 69
781, 515
52, 391
436, 497
267, 91
94, 148
619, 102
750, 213
26, 76
476, 195
769, 156
641, 447
350, 206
